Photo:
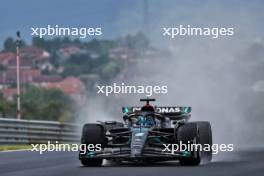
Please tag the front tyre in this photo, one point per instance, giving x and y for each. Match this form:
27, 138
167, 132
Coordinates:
188, 133
92, 134
205, 134
91, 162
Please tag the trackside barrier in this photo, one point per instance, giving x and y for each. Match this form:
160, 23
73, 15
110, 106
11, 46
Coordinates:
14, 131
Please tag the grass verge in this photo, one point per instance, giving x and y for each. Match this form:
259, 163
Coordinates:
14, 147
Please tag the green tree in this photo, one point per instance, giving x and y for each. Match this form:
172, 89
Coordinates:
43, 104
101, 46
10, 44
7, 108
137, 41
110, 70
39, 42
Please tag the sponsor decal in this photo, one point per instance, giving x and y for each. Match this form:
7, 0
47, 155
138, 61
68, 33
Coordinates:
173, 109
168, 109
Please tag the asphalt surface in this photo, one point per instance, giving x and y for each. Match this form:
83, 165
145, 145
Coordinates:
27, 163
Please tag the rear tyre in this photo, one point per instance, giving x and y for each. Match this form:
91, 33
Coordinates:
187, 133
92, 134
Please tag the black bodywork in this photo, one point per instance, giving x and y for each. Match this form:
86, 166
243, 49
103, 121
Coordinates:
143, 135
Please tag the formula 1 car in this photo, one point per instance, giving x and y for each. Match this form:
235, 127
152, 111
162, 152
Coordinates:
149, 134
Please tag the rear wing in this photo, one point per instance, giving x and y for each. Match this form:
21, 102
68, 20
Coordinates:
165, 110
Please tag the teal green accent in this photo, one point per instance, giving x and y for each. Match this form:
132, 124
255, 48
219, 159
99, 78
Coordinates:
90, 154
126, 110
156, 139
186, 109
185, 153
140, 129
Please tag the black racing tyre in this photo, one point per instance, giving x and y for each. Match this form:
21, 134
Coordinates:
92, 134
187, 133
92, 162
205, 135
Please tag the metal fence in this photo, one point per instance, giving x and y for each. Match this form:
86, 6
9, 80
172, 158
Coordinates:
14, 131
